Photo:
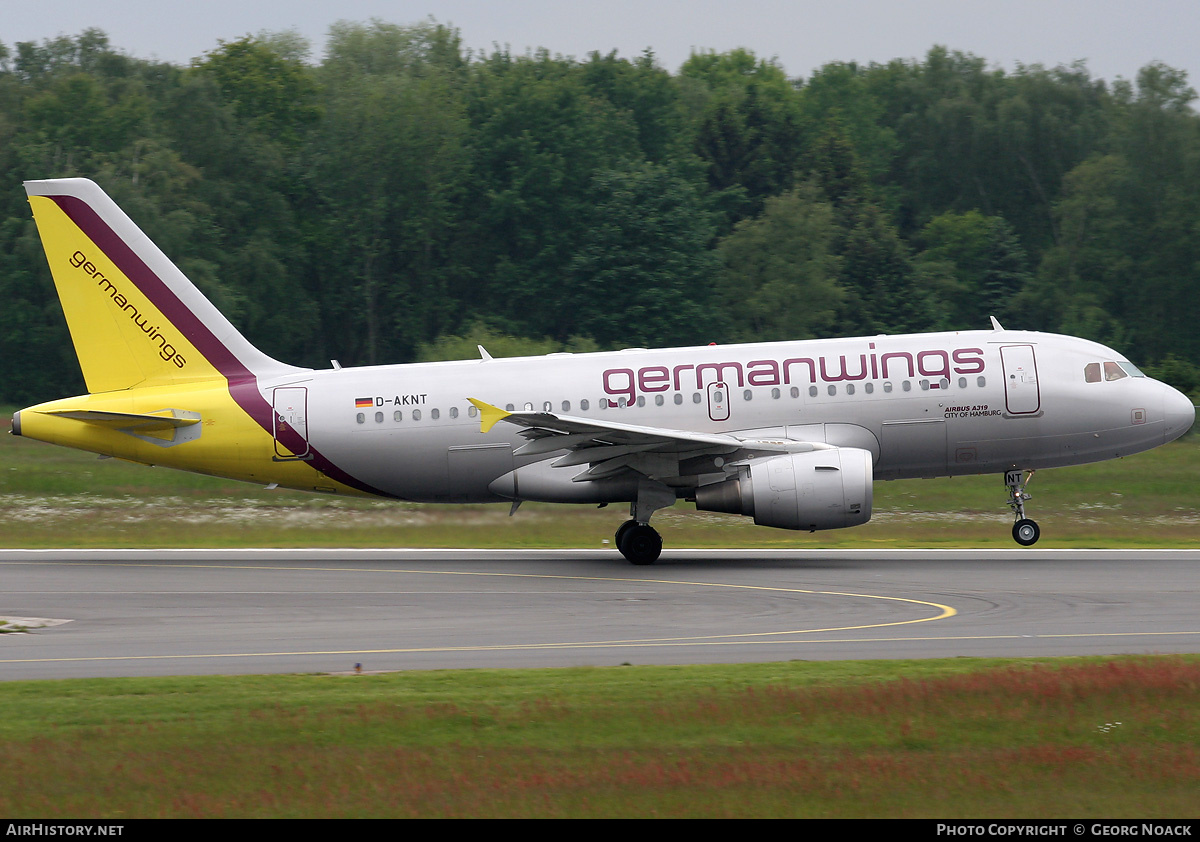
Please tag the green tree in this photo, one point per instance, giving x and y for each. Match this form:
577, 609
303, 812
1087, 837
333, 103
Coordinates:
538, 138
647, 96
779, 278
465, 346
749, 131
876, 274
841, 95
268, 92
1081, 274
974, 267
642, 273
393, 170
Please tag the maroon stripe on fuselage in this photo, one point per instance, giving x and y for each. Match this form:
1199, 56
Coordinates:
243, 384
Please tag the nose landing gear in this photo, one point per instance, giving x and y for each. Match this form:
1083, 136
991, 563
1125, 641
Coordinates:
1025, 531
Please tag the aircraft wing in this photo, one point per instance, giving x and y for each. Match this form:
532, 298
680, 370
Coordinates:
610, 446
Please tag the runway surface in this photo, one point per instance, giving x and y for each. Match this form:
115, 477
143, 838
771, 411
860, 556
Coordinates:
176, 612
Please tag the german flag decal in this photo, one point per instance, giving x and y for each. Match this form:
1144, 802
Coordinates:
361, 402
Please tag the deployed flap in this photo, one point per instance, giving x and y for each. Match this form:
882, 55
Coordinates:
580, 433
610, 446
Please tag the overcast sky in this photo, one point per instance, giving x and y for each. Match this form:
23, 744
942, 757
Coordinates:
1114, 37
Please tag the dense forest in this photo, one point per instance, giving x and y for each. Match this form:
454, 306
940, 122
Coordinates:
402, 198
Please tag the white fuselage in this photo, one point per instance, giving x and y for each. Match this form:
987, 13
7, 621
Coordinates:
924, 405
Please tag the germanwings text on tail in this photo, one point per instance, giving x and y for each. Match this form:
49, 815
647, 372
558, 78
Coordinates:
792, 434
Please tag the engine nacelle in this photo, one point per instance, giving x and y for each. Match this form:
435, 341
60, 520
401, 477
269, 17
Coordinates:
823, 489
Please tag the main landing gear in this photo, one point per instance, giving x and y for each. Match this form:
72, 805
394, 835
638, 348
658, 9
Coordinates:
1025, 531
637, 540
640, 543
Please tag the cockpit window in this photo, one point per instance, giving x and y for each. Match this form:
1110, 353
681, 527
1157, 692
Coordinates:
1118, 370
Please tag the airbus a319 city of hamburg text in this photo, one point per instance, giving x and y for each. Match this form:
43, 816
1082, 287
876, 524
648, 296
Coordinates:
792, 434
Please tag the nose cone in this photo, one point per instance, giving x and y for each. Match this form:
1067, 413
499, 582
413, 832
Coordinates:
1178, 414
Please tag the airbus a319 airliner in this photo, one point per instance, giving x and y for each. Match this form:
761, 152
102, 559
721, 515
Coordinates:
792, 434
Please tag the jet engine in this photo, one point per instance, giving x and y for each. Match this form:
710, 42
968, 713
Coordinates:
822, 489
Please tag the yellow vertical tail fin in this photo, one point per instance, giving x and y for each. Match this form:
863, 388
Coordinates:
134, 317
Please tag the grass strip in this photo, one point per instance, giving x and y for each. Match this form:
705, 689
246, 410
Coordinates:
958, 738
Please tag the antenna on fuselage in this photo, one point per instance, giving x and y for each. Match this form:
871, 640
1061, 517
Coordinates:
995, 324
483, 354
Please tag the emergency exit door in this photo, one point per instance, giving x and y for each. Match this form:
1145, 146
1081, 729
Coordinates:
718, 401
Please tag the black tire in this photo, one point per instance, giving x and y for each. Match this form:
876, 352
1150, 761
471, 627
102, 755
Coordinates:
621, 530
641, 544
1026, 532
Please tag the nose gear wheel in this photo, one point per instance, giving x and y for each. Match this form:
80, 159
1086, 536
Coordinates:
1025, 531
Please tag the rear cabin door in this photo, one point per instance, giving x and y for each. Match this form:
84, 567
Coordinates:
291, 422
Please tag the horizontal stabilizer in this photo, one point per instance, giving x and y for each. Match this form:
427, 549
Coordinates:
161, 427
163, 420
